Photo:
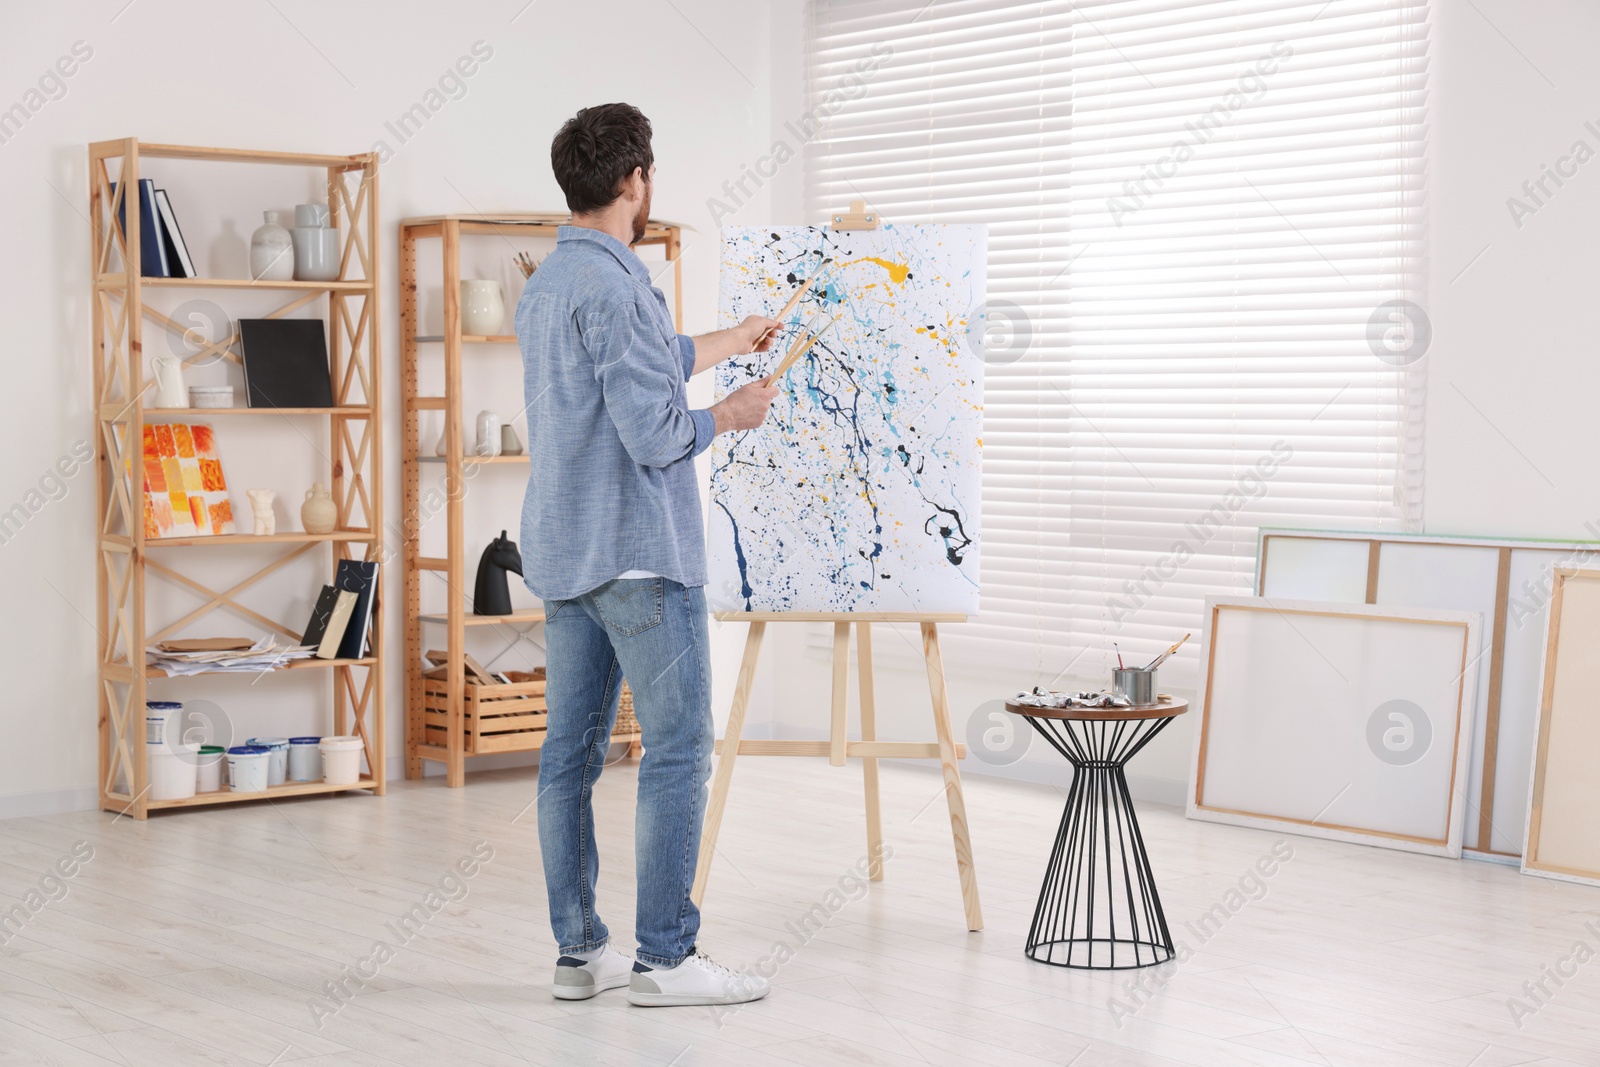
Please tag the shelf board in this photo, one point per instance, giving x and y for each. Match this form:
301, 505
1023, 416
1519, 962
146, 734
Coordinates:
343, 409
471, 460
293, 665
259, 539
535, 615
288, 789
360, 286
242, 155
472, 338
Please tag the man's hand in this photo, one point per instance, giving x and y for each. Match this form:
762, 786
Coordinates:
745, 408
756, 333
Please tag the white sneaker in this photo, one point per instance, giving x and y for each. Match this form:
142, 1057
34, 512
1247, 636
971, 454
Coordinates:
580, 980
697, 980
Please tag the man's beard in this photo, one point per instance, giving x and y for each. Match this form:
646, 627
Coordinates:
641, 218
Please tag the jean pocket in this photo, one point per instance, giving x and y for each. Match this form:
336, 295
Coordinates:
630, 606
553, 606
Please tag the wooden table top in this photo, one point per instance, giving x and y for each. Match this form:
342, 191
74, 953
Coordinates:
1163, 710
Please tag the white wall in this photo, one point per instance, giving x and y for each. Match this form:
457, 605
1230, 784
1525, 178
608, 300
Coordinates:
1510, 442
300, 76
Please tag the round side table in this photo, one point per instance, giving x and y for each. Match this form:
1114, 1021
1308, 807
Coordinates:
1098, 908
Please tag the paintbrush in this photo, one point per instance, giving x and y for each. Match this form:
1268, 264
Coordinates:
1153, 664
800, 348
794, 300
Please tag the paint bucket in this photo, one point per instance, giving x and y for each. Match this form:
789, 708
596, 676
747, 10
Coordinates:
156, 714
278, 766
341, 760
247, 768
1134, 684
305, 759
170, 770
208, 769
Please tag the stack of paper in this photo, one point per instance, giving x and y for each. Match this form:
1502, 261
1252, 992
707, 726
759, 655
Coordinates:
179, 658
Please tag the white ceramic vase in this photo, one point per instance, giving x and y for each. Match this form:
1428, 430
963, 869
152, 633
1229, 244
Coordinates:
483, 308
170, 392
316, 244
271, 250
488, 434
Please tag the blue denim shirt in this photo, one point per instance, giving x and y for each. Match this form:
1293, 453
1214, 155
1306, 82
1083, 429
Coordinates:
610, 435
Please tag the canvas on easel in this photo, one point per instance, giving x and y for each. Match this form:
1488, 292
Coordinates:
861, 491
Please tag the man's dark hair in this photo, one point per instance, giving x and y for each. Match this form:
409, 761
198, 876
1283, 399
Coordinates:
595, 150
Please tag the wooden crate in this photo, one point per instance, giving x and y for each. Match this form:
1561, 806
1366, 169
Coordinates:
505, 717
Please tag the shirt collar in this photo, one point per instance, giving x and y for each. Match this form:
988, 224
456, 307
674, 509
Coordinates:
624, 255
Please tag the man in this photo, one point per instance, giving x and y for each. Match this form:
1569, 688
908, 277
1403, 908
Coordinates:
612, 543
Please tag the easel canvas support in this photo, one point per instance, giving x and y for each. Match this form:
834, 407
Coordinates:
838, 748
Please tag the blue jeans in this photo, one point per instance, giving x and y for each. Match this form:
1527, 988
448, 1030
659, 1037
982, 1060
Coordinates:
654, 632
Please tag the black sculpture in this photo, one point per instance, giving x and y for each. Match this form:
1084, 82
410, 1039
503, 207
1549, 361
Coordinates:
492, 595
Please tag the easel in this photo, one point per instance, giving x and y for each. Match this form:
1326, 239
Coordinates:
838, 747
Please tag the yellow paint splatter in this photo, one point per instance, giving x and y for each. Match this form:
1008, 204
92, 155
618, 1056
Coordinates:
898, 272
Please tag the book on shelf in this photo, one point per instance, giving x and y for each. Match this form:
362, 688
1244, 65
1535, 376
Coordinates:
330, 618
285, 363
361, 578
177, 250
152, 243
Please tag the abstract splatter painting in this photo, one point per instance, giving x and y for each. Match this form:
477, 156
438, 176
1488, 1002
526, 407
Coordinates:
861, 491
185, 494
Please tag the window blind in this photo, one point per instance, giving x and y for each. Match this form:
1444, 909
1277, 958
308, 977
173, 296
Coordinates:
1205, 274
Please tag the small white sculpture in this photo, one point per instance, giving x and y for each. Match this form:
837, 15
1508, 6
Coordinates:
261, 504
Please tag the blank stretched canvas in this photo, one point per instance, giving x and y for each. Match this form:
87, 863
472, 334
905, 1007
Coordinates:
1564, 810
861, 491
1350, 722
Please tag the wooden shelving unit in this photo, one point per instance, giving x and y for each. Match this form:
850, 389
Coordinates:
455, 724
126, 559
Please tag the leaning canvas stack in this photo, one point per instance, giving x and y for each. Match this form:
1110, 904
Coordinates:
1281, 712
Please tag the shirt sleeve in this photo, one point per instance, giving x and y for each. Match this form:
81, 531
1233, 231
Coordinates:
641, 381
686, 353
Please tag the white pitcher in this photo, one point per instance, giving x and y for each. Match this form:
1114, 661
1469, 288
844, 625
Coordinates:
170, 392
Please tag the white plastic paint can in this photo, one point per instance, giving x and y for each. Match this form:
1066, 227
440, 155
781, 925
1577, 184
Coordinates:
278, 764
247, 768
305, 759
341, 760
208, 771
170, 770
156, 714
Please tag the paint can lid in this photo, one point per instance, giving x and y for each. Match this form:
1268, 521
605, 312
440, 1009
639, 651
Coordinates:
248, 750
163, 705
304, 740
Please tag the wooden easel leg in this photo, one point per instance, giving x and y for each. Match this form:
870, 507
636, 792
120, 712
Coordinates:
730, 751
869, 764
841, 689
952, 776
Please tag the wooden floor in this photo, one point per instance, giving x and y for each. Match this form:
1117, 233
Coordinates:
211, 937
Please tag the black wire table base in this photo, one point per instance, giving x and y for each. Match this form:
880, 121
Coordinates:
1098, 908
